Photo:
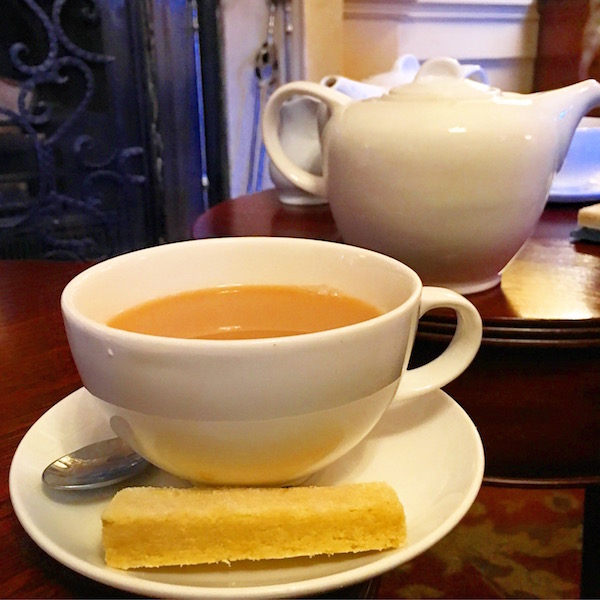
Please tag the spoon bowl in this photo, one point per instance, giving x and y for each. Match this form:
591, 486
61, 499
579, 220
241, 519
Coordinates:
94, 466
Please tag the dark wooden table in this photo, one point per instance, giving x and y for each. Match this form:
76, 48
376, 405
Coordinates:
533, 390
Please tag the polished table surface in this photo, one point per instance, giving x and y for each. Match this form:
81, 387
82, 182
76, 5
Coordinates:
533, 391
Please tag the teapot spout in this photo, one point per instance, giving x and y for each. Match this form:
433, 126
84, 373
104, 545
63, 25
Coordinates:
571, 104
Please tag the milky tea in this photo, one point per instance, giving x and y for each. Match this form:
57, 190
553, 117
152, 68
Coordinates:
245, 311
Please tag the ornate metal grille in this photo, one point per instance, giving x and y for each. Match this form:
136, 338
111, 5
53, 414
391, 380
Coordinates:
87, 117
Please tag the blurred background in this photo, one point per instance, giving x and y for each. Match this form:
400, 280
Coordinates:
121, 121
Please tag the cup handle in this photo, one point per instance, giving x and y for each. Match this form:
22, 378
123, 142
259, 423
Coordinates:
313, 184
457, 356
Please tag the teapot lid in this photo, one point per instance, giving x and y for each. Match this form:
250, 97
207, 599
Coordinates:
442, 78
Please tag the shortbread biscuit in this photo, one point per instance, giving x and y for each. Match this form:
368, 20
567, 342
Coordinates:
152, 527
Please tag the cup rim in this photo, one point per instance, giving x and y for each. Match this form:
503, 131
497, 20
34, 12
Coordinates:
72, 314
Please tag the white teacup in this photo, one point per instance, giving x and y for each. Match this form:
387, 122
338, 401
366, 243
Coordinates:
258, 411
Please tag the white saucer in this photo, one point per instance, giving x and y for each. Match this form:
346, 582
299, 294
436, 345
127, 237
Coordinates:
427, 448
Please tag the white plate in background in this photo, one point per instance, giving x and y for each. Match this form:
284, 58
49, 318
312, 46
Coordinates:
579, 178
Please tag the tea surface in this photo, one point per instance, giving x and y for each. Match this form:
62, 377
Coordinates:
245, 311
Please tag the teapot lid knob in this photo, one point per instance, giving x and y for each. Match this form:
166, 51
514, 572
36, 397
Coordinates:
440, 67
440, 78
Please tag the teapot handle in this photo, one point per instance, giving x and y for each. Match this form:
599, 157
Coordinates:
313, 184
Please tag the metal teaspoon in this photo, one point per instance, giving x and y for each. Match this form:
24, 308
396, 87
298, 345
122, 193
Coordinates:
94, 466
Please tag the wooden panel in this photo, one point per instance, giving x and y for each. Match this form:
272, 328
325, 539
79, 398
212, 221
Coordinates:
559, 42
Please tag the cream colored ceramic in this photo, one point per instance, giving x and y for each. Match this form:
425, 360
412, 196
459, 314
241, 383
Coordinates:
446, 174
265, 411
299, 134
301, 117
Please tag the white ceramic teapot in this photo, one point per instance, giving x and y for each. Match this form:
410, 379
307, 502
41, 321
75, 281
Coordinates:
446, 174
